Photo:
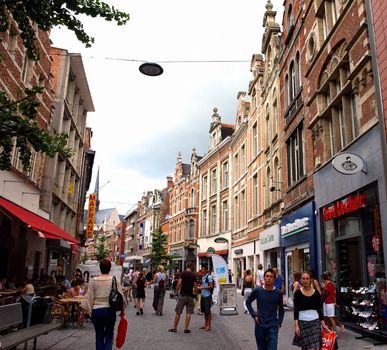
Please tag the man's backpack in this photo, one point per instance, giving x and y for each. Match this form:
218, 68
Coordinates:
213, 284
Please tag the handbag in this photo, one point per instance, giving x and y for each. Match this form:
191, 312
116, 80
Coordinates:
116, 301
328, 340
121, 331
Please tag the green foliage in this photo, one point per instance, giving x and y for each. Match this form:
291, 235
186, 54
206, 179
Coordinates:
17, 122
102, 250
159, 242
46, 14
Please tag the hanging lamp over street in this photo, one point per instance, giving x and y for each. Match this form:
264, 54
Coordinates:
151, 69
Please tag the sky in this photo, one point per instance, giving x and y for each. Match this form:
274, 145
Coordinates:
140, 123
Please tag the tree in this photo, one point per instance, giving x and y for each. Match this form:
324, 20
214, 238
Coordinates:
159, 242
46, 14
102, 250
17, 117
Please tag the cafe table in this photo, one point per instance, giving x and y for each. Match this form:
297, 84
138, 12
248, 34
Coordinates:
74, 303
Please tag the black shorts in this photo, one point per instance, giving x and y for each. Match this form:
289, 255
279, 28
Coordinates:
206, 304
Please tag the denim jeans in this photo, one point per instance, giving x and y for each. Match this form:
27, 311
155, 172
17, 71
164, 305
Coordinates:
103, 321
266, 337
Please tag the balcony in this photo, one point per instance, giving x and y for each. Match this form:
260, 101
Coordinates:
191, 211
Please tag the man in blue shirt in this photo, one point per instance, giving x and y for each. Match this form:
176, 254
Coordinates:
206, 297
270, 312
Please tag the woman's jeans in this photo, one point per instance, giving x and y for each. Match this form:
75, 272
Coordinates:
246, 294
103, 320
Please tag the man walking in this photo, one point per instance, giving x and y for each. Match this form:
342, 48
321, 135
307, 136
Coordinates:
206, 297
185, 285
270, 312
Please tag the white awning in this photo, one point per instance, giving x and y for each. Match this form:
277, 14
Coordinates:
133, 257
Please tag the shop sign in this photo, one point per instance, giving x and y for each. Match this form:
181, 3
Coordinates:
269, 238
343, 207
238, 251
90, 215
141, 231
294, 227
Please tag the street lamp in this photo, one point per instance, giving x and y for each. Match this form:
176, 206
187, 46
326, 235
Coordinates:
151, 69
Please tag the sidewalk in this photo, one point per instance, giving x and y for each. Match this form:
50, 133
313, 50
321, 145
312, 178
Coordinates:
151, 332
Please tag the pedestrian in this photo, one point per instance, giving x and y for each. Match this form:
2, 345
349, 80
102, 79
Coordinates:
205, 288
96, 304
308, 316
78, 275
248, 285
279, 281
270, 312
159, 290
127, 285
199, 276
185, 286
259, 280
134, 275
140, 293
230, 276
297, 281
314, 283
328, 294
149, 278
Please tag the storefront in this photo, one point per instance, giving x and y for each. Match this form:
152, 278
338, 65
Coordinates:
353, 252
270, 246
298, 245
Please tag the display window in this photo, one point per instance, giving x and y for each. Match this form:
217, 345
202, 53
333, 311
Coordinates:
353, 253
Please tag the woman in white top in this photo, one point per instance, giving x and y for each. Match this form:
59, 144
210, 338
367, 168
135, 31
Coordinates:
96, 304
159, 290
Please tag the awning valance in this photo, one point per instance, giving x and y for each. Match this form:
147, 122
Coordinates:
43, 227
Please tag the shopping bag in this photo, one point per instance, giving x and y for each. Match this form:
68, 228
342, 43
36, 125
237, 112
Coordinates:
328, 340
121, 332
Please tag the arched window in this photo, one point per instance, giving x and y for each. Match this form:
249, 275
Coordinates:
298, 72
286, 95
192, 198
268, 126
267, 190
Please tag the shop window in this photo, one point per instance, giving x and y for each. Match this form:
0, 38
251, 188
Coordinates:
348, 226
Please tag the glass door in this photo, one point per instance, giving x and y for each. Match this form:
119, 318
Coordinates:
289, 276
349, 258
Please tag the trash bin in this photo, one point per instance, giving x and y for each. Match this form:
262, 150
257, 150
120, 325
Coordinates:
35, 309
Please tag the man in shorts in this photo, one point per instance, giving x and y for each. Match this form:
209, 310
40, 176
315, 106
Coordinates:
185, 286
206, 297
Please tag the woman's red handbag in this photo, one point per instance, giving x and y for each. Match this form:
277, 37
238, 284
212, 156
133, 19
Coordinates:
328, 340
121, 332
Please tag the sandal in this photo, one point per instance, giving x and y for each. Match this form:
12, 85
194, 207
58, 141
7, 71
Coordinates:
187, 331
173, 330
204, 327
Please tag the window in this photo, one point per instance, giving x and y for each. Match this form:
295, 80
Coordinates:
286, 95
26, 70
327, 14
236, 213
192, 199
17, 163
275, 115
276, 181
214, 182
225, 216
205, 185
255, 195
254, 99
243, 208
298, 72
292, 82
255, 140
354, 116
267, 188
12, 40
204, 223
236, 168
191, 229
268, 130
213, 219
295, 156
243, 159
225, 174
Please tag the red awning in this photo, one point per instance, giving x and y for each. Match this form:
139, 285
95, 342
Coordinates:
208, 254
44, 227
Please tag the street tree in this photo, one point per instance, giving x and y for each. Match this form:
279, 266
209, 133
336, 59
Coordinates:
17, 116
102, 251
159, 242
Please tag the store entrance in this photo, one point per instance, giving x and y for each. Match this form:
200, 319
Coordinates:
349, 258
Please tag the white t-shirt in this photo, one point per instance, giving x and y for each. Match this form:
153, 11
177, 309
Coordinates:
259, 278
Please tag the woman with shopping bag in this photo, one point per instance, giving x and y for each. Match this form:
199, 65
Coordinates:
308, 316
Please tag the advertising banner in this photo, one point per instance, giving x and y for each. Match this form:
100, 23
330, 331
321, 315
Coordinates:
220, 270
90, 216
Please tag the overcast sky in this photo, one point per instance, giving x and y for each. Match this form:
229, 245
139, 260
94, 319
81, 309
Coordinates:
140, 123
